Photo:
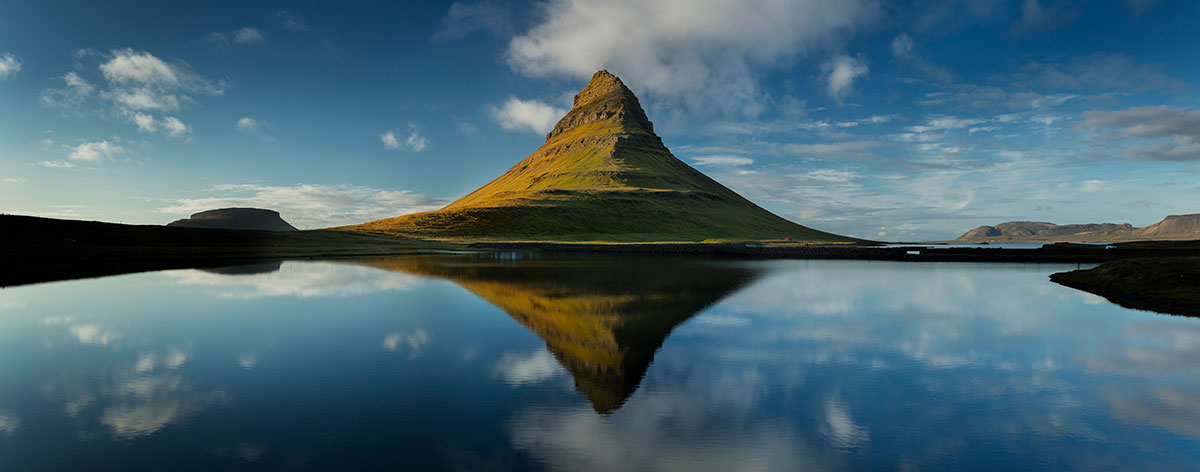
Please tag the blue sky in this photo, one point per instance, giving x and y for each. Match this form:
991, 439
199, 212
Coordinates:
879, 119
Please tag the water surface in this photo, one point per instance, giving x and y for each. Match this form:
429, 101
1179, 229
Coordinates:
467, 363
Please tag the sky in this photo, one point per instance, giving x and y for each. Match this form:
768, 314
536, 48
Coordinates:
896, 120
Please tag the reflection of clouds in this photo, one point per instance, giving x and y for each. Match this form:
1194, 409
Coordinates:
990, 351
524, 369
141, 399
92, 333
720, 320
173, 359
415, 341
300, 279
8, 423
131, 403
248, 360
844, 432
580, 440
1173, 408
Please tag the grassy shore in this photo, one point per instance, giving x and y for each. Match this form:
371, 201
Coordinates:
1166, 285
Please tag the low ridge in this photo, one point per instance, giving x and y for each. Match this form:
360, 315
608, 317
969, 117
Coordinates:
602, 175
1173, 227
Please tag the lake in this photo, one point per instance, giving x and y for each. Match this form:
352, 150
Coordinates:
509, 361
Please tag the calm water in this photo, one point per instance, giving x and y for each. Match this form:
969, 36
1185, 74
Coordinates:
592, 364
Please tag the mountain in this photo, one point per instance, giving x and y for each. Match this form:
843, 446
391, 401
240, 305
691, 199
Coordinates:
236, 218
602, 319
1035, 229
602, 175
1173, 227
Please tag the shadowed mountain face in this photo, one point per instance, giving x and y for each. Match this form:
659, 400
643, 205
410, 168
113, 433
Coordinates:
236, 218
1173, 227
603, 319
602, 175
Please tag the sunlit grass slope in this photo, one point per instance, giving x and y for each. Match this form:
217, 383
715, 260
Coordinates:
603, 175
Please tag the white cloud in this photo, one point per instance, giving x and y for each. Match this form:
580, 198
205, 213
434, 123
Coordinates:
1035, 16
939, 123
145, 123
142, 68
248, 35
413, 141
291, 20
842, 71
175, 128
245, 36
902, 46
464, 18
94, 151
1095, 186
248, 125
1173, 133
56, 164
527, 115
172, 126
390, 140
140, 81
723, 160
416, 142
310, 205
698, 54
9, 65
77, 90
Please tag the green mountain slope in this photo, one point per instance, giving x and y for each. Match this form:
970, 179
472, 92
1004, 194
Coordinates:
602, 175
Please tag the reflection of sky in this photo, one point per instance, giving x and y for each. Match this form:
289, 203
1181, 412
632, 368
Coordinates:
900, 365
820, 365
310, 279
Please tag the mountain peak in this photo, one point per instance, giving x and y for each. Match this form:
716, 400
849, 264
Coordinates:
602, 175
605, 98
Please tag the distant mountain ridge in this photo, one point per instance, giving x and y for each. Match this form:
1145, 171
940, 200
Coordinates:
1176, 227
602, 175
236, 218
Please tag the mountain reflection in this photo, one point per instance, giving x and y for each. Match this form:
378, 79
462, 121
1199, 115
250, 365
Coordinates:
602, 319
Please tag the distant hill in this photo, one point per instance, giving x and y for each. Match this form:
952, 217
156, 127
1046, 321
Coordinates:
236, 218
1174, 227
602, 175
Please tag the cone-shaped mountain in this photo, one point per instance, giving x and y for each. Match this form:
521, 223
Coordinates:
602, 175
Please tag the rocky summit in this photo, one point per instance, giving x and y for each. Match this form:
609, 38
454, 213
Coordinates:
602, 175
236, 218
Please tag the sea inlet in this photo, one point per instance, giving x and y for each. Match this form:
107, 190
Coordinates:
517, 362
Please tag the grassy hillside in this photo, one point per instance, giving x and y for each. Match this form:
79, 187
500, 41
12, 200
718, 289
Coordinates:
602, 175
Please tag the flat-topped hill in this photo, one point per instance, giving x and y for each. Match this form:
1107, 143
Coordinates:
236, 218
602, 175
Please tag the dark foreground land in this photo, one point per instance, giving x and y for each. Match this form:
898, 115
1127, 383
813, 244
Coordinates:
1155, 275
36, 250
1169, 285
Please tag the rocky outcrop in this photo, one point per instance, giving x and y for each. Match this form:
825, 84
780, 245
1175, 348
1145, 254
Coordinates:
236, 218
